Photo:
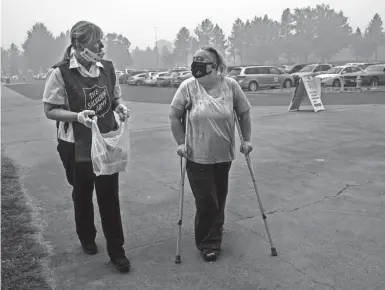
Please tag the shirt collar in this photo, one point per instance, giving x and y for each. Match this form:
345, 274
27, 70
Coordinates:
74, 62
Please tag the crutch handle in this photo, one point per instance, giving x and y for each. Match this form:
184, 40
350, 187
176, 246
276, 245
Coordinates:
240, 132
186, 127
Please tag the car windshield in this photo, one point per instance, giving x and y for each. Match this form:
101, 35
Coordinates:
308, 68
334, 70
374, 68
235, 72
289, 67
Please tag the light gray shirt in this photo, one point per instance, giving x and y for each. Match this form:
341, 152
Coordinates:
211, 136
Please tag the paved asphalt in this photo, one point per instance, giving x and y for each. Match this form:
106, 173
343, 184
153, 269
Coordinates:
320, 177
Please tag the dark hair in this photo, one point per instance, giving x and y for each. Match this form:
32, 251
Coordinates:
221, 64
83, 32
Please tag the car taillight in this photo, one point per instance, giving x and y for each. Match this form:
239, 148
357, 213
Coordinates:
239, 77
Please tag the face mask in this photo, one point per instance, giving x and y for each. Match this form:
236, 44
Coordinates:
198, 69
90, 56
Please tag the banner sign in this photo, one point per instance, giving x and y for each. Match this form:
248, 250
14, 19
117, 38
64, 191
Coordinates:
309, 87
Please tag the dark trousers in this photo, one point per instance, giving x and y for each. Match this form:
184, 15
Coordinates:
81, 176
209, 184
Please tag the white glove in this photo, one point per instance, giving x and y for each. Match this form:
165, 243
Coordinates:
123, 112
83, 117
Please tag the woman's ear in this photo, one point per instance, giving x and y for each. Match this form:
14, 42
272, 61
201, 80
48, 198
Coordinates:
79, 46
213, 66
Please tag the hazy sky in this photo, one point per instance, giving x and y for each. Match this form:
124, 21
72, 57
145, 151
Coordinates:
136, 19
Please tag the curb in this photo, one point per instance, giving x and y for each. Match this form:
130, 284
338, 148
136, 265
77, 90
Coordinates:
323, 90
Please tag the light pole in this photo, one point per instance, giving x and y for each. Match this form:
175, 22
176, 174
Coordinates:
156, 48
243, 52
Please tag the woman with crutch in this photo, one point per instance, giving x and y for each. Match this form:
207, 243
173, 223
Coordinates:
210, 99
79, 87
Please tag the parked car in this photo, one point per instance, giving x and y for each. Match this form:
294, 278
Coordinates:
175, 82
373, 75
123, 79
43, 76
311, 70
133, 73
256, 77
165, 80
362, 65
332, 77
152, 78
175, 76
119, 73
137, 80
129, 70
149, 75
359, 64
292, 68
5, 80
178, 68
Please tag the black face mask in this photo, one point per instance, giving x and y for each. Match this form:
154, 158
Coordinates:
198, 69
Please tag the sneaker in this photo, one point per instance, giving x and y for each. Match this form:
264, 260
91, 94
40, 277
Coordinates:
210, 256
90, 248
121, 263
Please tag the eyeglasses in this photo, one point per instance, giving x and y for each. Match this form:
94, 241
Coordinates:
200, 59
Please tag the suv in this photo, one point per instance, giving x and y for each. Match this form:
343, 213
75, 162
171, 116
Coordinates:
129, 70
255, 77
311, 70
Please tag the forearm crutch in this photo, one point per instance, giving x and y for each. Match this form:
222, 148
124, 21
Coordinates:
248, 161
183, 162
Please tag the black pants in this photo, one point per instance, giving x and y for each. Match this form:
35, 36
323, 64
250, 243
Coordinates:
209, 184
81, 176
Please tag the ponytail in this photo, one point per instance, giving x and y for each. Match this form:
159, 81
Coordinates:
67, 53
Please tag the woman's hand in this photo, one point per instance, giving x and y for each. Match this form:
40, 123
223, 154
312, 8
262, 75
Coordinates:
246, 148
84, 118
182, 151
123, 112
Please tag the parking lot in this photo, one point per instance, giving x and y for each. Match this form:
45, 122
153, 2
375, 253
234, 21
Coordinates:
257, 77
164, 95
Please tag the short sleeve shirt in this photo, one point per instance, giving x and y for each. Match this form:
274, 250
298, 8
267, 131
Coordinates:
211, 136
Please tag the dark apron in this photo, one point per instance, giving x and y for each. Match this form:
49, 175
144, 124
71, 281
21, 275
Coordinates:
86, 93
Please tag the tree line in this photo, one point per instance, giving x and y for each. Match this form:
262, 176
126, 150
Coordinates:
320, 32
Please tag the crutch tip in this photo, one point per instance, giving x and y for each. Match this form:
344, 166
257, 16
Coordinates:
177, 259
274, 252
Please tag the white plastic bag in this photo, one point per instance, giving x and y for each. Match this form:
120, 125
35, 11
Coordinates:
110, 152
